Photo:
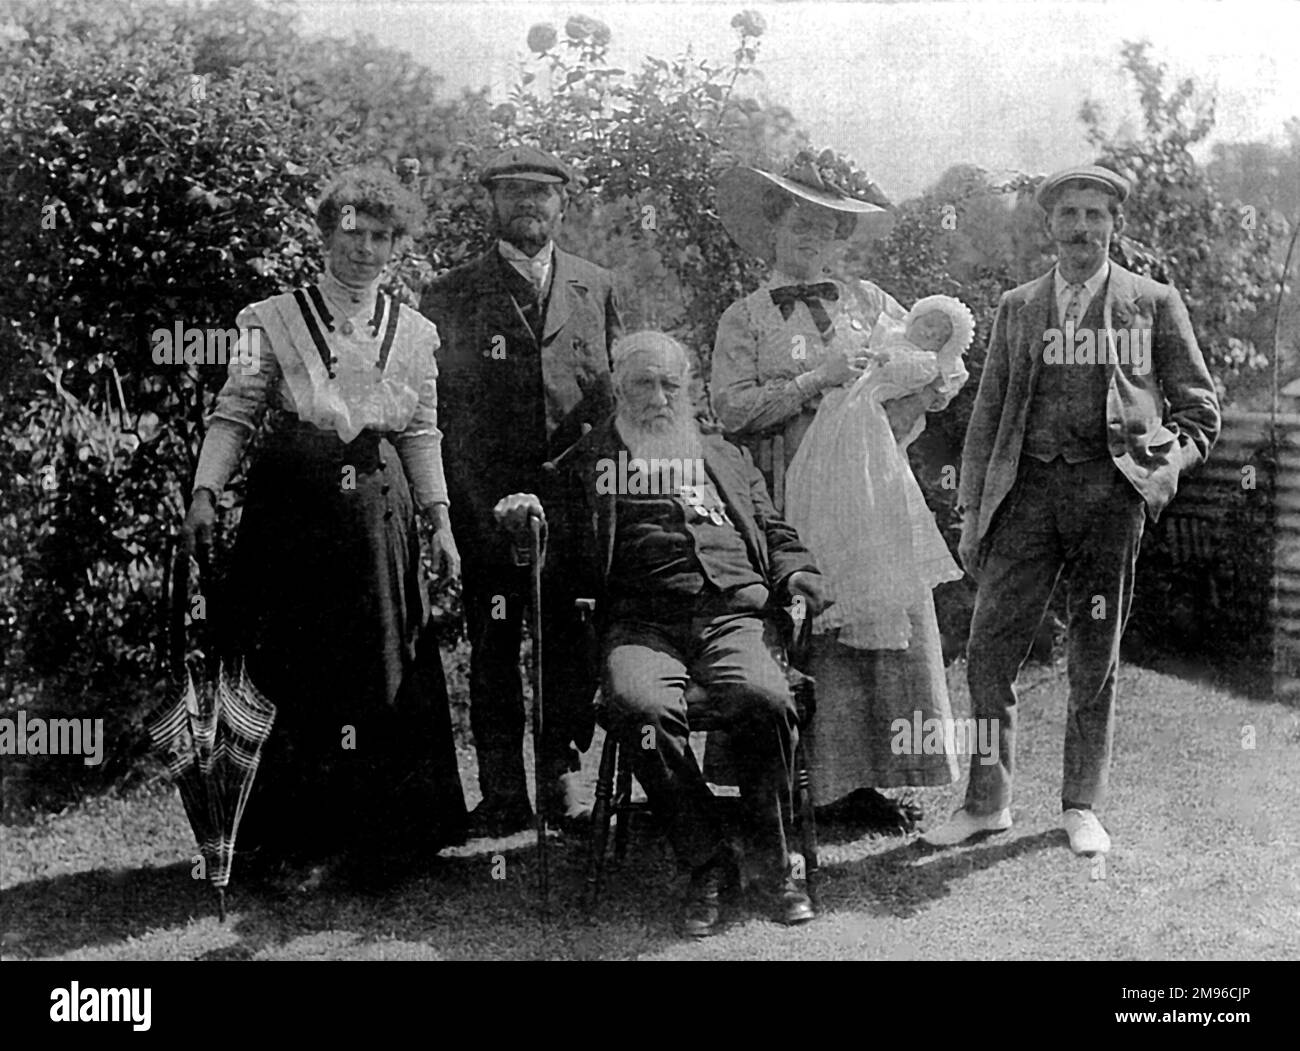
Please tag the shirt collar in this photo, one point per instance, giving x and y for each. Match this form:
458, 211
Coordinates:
516, 255
1090, 286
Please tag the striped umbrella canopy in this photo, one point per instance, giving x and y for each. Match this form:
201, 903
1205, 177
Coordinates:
211, 739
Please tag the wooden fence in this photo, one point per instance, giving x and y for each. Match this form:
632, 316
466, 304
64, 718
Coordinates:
1232, 537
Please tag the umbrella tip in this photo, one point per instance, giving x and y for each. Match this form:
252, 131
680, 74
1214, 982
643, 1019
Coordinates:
221, 905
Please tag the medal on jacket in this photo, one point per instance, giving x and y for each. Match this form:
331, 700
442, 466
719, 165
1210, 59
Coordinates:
706, 503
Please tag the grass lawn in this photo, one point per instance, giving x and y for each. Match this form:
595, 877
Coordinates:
1206, 865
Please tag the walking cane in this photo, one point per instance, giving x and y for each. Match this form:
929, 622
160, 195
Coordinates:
537, 532
537, 554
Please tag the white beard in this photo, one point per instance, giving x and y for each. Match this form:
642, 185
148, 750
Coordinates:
680, 440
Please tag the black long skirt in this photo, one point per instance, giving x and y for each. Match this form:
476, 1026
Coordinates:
330, 612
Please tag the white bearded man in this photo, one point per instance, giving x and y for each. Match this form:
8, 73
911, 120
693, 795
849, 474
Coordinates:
685, 582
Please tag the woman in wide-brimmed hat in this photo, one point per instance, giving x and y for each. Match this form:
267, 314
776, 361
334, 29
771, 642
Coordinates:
806, 331
803, 330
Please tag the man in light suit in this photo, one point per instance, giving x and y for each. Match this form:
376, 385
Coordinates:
1094, 400
526, 333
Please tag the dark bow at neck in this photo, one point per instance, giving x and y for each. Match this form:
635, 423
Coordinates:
786, 296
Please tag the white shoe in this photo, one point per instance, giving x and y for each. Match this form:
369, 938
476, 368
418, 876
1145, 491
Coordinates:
1085, 832
963, 824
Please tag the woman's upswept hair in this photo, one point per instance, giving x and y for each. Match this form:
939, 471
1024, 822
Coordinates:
373, 192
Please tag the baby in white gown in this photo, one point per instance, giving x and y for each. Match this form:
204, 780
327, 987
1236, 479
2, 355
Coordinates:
850, 491
928, 344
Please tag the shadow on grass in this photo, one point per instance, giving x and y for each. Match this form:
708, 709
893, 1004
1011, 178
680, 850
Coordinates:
56, 915
484, 903
1243, 666
477, 902
481, 902
905, 880
1244, 676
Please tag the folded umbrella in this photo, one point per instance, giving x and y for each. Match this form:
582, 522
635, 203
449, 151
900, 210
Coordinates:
211, 740
180, 733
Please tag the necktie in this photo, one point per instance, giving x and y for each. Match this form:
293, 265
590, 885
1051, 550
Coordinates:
533, 269
536, 274
785, 297
1073, 306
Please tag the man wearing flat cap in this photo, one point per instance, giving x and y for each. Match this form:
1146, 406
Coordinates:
526, 334
1094, 400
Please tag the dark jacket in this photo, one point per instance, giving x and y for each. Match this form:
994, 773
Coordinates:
585, 541
499, 421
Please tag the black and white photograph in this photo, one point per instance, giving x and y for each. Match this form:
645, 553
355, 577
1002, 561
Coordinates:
685, 481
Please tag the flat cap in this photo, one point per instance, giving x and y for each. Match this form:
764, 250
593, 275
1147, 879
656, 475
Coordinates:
1103, 178
525, 162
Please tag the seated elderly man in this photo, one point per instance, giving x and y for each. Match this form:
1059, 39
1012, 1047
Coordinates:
676, 537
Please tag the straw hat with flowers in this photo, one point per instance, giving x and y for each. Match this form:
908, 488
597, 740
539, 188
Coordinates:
750, 200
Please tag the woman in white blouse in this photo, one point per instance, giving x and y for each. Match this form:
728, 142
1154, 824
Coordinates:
803, 331
326, 600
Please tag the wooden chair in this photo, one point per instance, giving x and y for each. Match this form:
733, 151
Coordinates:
614, 781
